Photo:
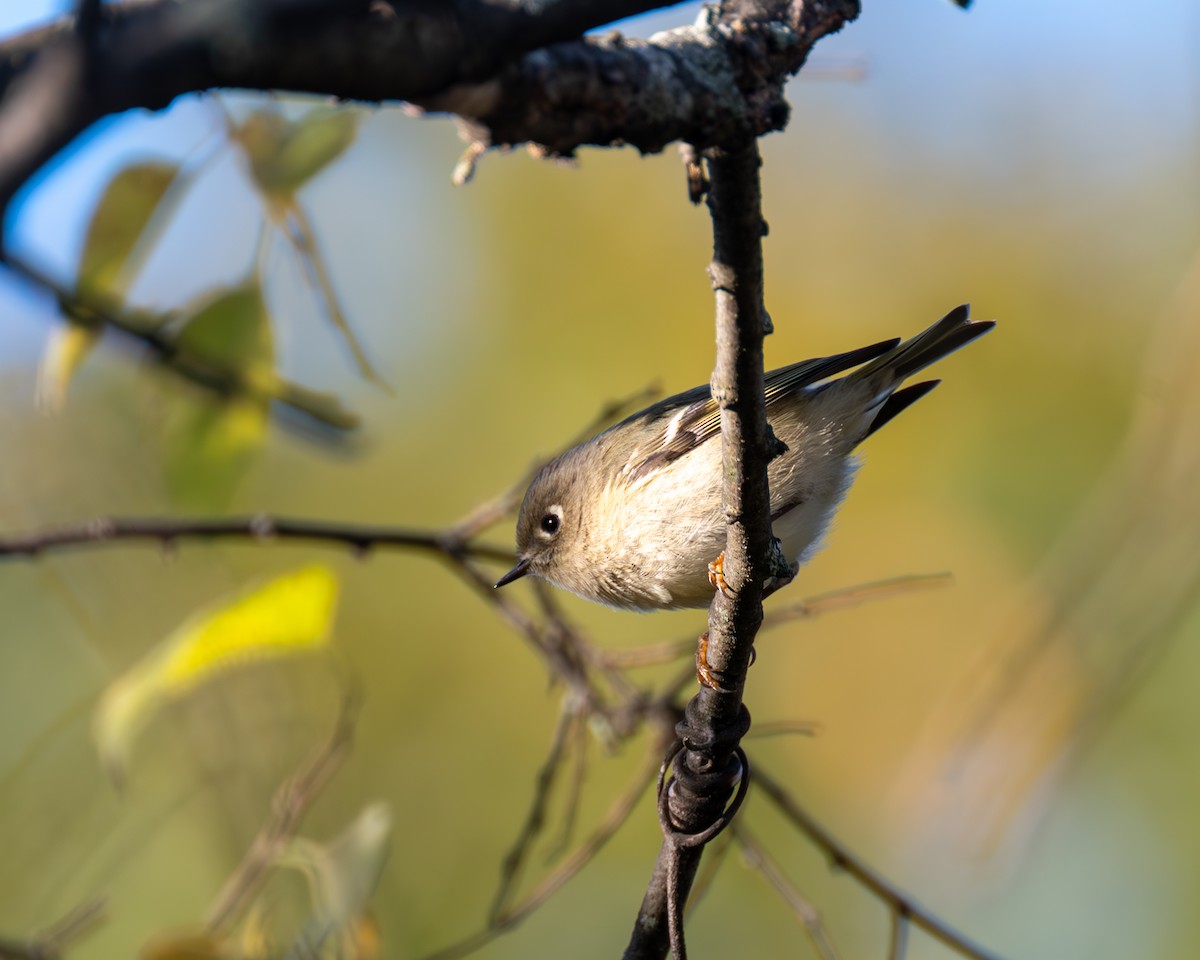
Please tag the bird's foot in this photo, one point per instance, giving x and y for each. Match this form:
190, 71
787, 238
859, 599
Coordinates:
716, 575
706, 676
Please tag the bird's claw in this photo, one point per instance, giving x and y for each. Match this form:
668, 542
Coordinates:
706, 676
716, 575
782, 571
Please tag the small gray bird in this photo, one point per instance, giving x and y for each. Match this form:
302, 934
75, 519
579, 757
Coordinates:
633, 517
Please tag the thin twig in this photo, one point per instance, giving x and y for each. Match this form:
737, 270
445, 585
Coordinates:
847, 597
717, 853
208, 372
304, 240
897, 901
535, 819
261, 527
50, 942
757, 858
290, 804
575, 647
613, 820
778, 728
455, 543
841, 599
898, 948
579, 766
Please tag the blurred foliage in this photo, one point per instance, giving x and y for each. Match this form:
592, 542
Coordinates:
284, 155
225, 343
117, 228
1016, 750
209, 446
291, 614
119, 223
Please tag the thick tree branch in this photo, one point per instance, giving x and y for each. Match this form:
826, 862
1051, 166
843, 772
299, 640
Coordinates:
148, 52
716, 82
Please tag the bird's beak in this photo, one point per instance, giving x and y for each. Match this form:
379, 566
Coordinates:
516, 573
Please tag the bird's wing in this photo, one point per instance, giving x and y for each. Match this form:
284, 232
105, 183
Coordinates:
692, 418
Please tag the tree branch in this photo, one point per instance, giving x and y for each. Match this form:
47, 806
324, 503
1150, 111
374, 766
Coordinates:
166, 531
516, 69
717, 82
210, 373
710, 764
148, 52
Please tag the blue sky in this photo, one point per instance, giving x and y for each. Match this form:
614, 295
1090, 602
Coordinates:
16, 14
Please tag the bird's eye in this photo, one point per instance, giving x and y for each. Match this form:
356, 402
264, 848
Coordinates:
550, 523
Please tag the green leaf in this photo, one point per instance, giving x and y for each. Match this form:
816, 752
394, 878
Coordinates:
210, 440
288, 615
117, 226
284, 154
232, 330
118, 223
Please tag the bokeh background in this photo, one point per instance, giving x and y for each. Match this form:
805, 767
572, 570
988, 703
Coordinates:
1017, 749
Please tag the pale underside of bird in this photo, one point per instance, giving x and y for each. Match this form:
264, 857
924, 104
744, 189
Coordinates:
633, 517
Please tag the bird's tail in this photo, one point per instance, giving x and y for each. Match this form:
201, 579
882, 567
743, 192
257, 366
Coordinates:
888, 371
954, 330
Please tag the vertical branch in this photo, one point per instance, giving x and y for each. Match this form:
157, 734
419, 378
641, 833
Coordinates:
709, 764
735, 202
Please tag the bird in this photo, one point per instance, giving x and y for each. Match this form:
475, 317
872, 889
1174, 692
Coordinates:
633, 518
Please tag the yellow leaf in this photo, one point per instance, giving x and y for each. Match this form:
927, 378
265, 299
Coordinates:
67, 348
230, 328
288, 615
